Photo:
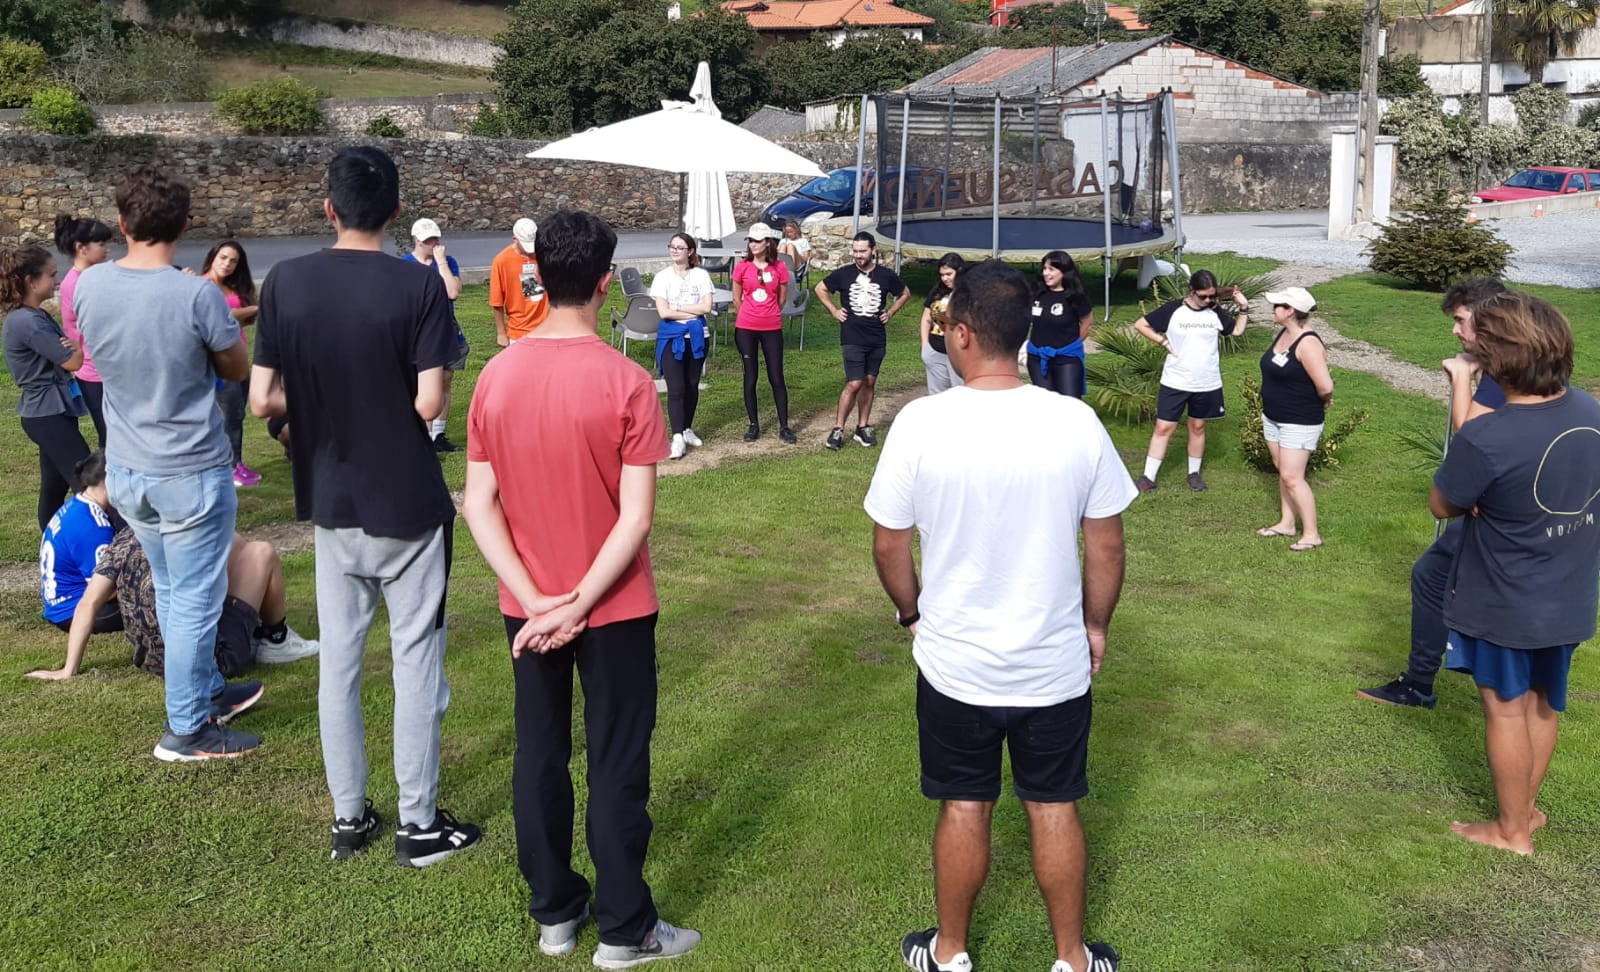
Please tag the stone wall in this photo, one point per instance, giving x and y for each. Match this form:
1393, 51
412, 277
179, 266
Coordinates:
275, 186
1254, 176
438, 116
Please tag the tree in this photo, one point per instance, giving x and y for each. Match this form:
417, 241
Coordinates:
52, 24
1252, 32
1536, 31
572, 64
810, 70
250, 12
1324, 53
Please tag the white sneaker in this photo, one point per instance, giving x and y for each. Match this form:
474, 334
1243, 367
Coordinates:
562, 938
691, 438
663, 942
680, 447
292, 648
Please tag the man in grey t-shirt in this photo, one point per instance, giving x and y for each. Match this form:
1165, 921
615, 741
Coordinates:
168, 464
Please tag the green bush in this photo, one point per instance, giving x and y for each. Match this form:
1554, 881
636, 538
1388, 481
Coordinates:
1432, 244
1254, 442
287, 106
24, 71
1399, 77
59, 111
384, 127
141, 66
1125, 377
489, 123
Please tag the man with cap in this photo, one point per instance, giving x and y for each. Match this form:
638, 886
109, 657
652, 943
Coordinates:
873, 294
515, 292
427, 248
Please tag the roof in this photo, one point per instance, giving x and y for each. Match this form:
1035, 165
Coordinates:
772, 122
812, 15
991, 70
1128, 17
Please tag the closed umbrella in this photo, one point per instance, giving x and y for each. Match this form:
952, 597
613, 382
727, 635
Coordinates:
707, 205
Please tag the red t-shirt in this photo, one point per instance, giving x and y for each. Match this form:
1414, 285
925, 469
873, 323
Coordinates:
557, 419
760, 310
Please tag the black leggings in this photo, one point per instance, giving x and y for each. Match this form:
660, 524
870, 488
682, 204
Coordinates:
94, 396
61, 448
1065, 375
771, 345
683, 387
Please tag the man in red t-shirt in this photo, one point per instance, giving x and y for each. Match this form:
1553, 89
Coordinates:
563, 438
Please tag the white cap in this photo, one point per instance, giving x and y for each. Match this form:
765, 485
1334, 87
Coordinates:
1297, 297
525, 230
425, 229
761, 231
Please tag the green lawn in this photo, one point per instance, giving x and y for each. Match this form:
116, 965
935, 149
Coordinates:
235, 62
483, 19
1248, 812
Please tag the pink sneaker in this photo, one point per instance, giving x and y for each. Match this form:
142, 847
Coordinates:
243, 476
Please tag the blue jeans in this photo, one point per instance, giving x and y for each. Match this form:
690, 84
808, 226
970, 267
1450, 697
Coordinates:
184, 524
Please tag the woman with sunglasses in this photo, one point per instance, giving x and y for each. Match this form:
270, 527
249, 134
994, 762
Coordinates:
1295, 390
1191, 379
1062, 315
683, 294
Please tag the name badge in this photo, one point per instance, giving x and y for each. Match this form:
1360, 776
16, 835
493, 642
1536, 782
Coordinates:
1037, 310
1280, 358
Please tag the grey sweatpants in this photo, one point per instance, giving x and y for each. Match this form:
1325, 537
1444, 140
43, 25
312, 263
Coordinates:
353, 568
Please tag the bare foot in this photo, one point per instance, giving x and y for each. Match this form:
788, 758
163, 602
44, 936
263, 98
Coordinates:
1536, 820
1488, 834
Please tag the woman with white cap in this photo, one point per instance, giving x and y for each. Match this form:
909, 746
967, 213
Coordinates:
1295, 391
759, 287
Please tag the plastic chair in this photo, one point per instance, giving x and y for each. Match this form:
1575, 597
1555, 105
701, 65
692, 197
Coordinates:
633, 283
639, 322
799, 299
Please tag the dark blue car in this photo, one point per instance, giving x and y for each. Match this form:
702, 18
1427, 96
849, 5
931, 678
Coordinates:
834, 194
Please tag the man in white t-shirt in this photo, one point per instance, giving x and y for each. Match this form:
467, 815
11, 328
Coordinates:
1191, 380
1007, 633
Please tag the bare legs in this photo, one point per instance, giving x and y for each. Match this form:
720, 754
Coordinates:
1162, 437
255, 576
1520, 736
860, 393
1059, 856
1294, 496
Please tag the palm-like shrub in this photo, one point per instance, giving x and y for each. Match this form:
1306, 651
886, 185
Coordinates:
1253, 441
1125, 377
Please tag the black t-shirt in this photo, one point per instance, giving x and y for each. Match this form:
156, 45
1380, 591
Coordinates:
1530, 555
866, 297
349, 330
938, 316
1056, 314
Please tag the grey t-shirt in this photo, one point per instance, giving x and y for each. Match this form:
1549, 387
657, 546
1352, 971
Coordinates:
153, 332
33, 356
1528, 575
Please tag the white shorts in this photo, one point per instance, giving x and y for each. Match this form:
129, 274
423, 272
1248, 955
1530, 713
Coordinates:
1289, 436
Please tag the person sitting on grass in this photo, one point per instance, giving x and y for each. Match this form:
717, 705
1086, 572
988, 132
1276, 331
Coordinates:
253, 626
1523, 594
71, 547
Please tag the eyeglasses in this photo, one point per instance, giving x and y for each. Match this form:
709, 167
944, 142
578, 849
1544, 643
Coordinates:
613, 268
675, 247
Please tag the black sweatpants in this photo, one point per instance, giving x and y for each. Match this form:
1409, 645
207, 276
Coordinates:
617, 665
770, 344
683, 387
1430, 578
1064, 376
61, 448
94, 396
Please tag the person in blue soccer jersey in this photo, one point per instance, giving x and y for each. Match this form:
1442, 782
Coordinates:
73, 542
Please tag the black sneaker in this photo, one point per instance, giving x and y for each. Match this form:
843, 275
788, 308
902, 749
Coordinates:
752, 433
1196, 483
917, 951
835, 439
1144, 484
234, 700
350, 836
421, 846
442, 444
786, 436
1102, 958
1400, 692
210, 741
865, 437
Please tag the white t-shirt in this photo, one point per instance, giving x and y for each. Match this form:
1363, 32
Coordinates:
1194, 364
685, 291
998, 506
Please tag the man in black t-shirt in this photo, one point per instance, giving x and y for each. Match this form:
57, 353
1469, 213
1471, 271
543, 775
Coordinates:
873, 294
362, 339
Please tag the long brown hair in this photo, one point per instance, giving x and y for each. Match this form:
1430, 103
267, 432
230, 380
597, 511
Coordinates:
769, 249
694, 248
239, 281
17, 265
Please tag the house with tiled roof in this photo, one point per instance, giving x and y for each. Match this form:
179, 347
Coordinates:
1126, 17
1449, 44
835, 20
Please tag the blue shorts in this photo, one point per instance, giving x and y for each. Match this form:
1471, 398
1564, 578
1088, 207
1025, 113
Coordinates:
1512, 671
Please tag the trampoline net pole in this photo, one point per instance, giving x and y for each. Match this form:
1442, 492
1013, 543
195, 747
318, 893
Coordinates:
949, 150
1033, 196
1105, 181
1172, 175
900, 181
861, 161
994, 186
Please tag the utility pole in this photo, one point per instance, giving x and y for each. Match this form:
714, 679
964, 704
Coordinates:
1487, 21
1367, 117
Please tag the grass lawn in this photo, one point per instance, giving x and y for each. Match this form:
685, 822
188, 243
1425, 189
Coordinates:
234, 63
1247, 813
441, 16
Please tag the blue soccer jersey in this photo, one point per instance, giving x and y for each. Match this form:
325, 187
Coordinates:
77, 535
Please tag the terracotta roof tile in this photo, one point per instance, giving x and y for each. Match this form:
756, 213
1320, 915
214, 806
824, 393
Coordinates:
824, 14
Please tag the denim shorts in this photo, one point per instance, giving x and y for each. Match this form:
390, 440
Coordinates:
961, 748
1511, 672
1289, 436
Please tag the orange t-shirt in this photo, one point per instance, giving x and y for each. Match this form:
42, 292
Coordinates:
557, 419
514, 285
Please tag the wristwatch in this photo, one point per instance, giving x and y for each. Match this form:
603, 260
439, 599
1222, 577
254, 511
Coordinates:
908, 620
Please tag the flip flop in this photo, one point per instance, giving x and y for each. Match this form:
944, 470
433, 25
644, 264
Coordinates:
1270, 532
1303, 547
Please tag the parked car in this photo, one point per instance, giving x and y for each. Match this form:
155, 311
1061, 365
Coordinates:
834, 194
1541, 180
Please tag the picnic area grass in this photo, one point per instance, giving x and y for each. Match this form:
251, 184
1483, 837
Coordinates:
1247, 811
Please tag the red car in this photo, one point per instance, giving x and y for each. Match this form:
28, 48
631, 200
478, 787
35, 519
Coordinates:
1541, 180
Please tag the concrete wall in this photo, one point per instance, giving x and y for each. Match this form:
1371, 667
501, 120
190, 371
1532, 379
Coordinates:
440, 116
1450, 49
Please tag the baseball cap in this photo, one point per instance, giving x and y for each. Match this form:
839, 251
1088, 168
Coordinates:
525, 230
761, 231
425, 229
1297, 297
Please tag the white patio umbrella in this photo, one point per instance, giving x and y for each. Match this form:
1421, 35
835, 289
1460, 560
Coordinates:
707, 205
682, 137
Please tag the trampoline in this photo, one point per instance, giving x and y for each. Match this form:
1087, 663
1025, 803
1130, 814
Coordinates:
1023, 238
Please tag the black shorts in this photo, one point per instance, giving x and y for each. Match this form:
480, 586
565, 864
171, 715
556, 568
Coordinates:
463, 350
1172, 403
861, 360
961, 743
236, 636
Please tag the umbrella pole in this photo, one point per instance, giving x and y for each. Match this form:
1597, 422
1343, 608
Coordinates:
683, 200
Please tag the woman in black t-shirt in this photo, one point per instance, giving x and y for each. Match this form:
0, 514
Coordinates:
940, 375
1062, 315
1295, 390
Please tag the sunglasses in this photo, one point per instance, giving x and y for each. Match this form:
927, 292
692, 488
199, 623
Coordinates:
1284, 306
1207, 297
